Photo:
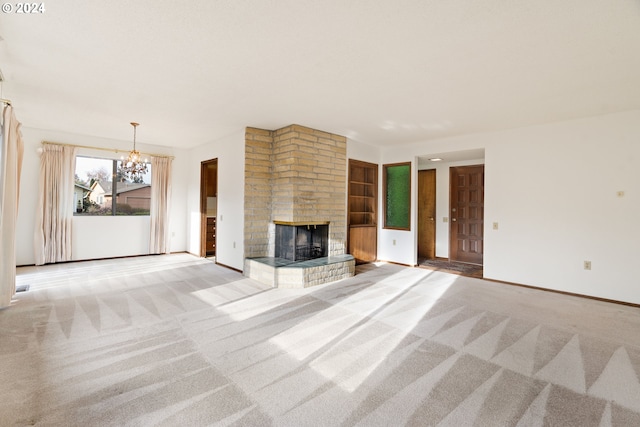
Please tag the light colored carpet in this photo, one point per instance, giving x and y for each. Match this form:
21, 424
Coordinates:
179, 341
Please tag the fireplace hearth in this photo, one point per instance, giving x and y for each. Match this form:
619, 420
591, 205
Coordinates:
301, 242
302, 258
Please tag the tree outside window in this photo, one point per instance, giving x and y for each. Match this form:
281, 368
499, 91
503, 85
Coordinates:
98, 182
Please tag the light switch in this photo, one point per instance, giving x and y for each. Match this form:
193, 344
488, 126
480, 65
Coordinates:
495, 225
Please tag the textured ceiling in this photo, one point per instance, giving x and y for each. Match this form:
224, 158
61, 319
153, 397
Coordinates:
381, 72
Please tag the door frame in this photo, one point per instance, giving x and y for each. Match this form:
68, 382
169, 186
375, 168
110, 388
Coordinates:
204, 166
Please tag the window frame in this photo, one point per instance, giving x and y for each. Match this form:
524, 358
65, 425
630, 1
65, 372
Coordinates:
395, 217
113, 211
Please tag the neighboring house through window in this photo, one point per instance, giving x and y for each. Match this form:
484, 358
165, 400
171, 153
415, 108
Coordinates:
98, 181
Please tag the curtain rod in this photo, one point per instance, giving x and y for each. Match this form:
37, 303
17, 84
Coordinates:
111, 150
6, 101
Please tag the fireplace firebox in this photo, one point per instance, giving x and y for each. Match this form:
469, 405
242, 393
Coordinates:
301, 242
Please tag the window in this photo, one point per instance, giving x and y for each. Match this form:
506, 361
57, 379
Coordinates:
95, 189
397, 196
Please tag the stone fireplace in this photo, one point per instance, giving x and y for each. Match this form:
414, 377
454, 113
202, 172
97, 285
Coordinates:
295, 192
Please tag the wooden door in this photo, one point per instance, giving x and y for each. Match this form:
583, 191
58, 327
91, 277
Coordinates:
467, 214
427, 214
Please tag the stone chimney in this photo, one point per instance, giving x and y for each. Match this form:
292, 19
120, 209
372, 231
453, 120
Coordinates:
295, 175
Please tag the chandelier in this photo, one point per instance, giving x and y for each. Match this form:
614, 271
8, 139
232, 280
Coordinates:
133, 167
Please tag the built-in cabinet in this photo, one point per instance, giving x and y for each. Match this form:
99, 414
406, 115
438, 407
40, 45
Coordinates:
211, 236
362, 211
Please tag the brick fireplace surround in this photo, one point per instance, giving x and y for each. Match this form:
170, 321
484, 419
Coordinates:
295, 175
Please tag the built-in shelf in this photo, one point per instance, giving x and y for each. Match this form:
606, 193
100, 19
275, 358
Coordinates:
362, 210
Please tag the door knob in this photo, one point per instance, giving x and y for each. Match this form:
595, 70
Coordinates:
430, 218
453, 219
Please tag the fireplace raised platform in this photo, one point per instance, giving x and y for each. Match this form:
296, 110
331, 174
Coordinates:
284, 273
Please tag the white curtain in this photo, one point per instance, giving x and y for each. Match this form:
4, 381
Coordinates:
160, 198
54, 213
10, 167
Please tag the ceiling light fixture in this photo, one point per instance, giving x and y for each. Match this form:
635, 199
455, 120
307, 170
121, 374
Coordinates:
436, 159
133, 167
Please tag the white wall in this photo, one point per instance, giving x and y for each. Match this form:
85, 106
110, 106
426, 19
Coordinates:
230, 216
96, 237
553, 191
363, 152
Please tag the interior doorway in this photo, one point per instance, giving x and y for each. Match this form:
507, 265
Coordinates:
208, 207
467, 214
426, 214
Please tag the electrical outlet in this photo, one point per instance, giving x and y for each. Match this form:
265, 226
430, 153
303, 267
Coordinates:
587, 265
234, 245
394, 242
620, 193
